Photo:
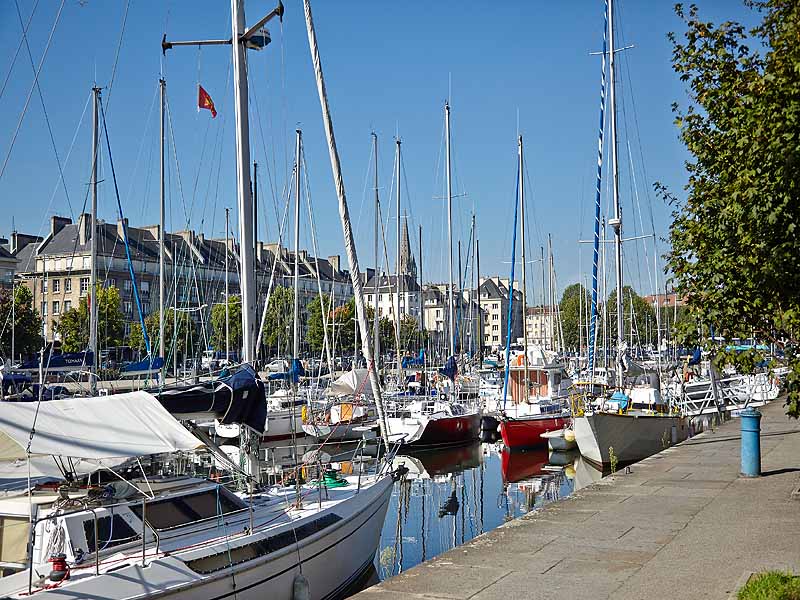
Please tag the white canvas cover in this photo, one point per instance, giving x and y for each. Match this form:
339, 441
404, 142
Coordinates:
115, 426
350, 382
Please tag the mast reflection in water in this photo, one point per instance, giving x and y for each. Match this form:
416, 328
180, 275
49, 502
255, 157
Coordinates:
451, 496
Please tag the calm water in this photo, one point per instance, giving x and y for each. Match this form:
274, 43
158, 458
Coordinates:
451, 496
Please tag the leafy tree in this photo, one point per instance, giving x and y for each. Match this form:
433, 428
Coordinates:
234, 324
278, 325
409, 333
570, 312
186, 332
735, 240
315, 331
73, 327
27, 322
643, 313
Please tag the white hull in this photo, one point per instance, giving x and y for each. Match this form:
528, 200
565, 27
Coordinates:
279, 425
340, 431
633, 436
331, 558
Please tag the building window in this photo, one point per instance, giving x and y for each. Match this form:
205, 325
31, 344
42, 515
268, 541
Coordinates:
44, 309
56, 307
44, 286
67, 304
494, 317
438, 312
495, 327
369, 298
68, 285
496, 306
56, 286
494, 338
126, 285
84, 286
128, 308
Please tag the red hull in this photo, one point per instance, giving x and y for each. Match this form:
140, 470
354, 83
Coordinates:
527, 432
448, 431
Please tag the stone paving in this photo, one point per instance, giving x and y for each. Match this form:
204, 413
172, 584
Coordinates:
681, 524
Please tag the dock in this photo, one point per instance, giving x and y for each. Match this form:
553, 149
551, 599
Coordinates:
682, 523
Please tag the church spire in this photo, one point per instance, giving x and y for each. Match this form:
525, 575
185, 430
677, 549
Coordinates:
408, 265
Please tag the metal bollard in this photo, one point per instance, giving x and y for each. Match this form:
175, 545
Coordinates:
751, 442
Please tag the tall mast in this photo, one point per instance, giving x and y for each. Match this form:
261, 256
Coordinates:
296, 313
255, 225
376, 331
399, 269
472, 311
616, 222
93, 246
524, 265
450, 308
545, 311
550, 293
478, 294
162, 84
227, 288
245, 199
421, 296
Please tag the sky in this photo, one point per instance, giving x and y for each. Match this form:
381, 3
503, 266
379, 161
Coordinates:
508, 68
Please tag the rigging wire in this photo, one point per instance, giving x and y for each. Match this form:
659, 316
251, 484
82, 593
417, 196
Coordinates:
19, 47
33, 85
116, 54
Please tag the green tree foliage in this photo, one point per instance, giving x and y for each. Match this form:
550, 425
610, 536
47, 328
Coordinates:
735, 239
409, 334
73, 327
234, 324
570, 312
644, 315
27, 322
185, 338
277, 335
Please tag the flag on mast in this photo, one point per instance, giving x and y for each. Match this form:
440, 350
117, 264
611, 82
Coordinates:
205, 101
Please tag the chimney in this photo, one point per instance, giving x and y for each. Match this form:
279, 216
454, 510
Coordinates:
335, 261
303, 255
84, 227
57, 224
260, 252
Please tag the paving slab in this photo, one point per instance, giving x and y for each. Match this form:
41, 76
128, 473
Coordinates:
679, 524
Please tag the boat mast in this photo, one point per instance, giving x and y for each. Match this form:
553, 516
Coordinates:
550, 295
616, 222
399, 269
93, 247
162, 84
376, 331
227, 287
450, 308
524, 265
478, 294
296, 311
344, 216
472, 311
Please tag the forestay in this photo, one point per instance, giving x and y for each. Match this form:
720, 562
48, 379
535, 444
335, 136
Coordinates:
117, 426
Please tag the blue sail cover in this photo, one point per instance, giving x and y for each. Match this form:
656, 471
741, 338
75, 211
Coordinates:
148, 365
71, 361
450, 368
238, 398
410, 361
294, 374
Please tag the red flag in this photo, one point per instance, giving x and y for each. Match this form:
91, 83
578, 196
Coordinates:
205, 101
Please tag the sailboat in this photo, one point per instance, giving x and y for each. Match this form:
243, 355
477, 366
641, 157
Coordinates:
616, 429
524, 422
185, 537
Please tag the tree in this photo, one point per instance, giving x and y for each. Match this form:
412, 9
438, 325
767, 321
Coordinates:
278, 325
73, 327
644, 315
173, 343
570, 311
27, 323
218, 340
315, 331
735, 242
409, 333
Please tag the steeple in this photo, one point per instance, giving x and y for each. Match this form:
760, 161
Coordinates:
408, 265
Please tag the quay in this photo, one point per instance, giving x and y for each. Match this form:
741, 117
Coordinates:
682, 523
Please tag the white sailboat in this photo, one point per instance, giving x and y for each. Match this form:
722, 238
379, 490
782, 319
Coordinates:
621, 431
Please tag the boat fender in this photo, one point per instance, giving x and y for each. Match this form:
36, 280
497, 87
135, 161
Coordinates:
301, 589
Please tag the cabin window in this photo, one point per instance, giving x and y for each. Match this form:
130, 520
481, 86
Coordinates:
182, 510
14, 533
241, 554
112, 531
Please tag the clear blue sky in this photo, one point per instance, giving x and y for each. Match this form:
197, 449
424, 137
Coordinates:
510, 66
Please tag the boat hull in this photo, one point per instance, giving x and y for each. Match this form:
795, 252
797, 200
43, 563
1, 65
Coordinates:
633, 437
527, 432
436, 431
331, 562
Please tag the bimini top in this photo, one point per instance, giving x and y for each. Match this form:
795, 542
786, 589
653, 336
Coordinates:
116, 426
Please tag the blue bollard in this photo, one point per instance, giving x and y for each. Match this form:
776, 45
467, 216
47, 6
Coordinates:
751, 442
